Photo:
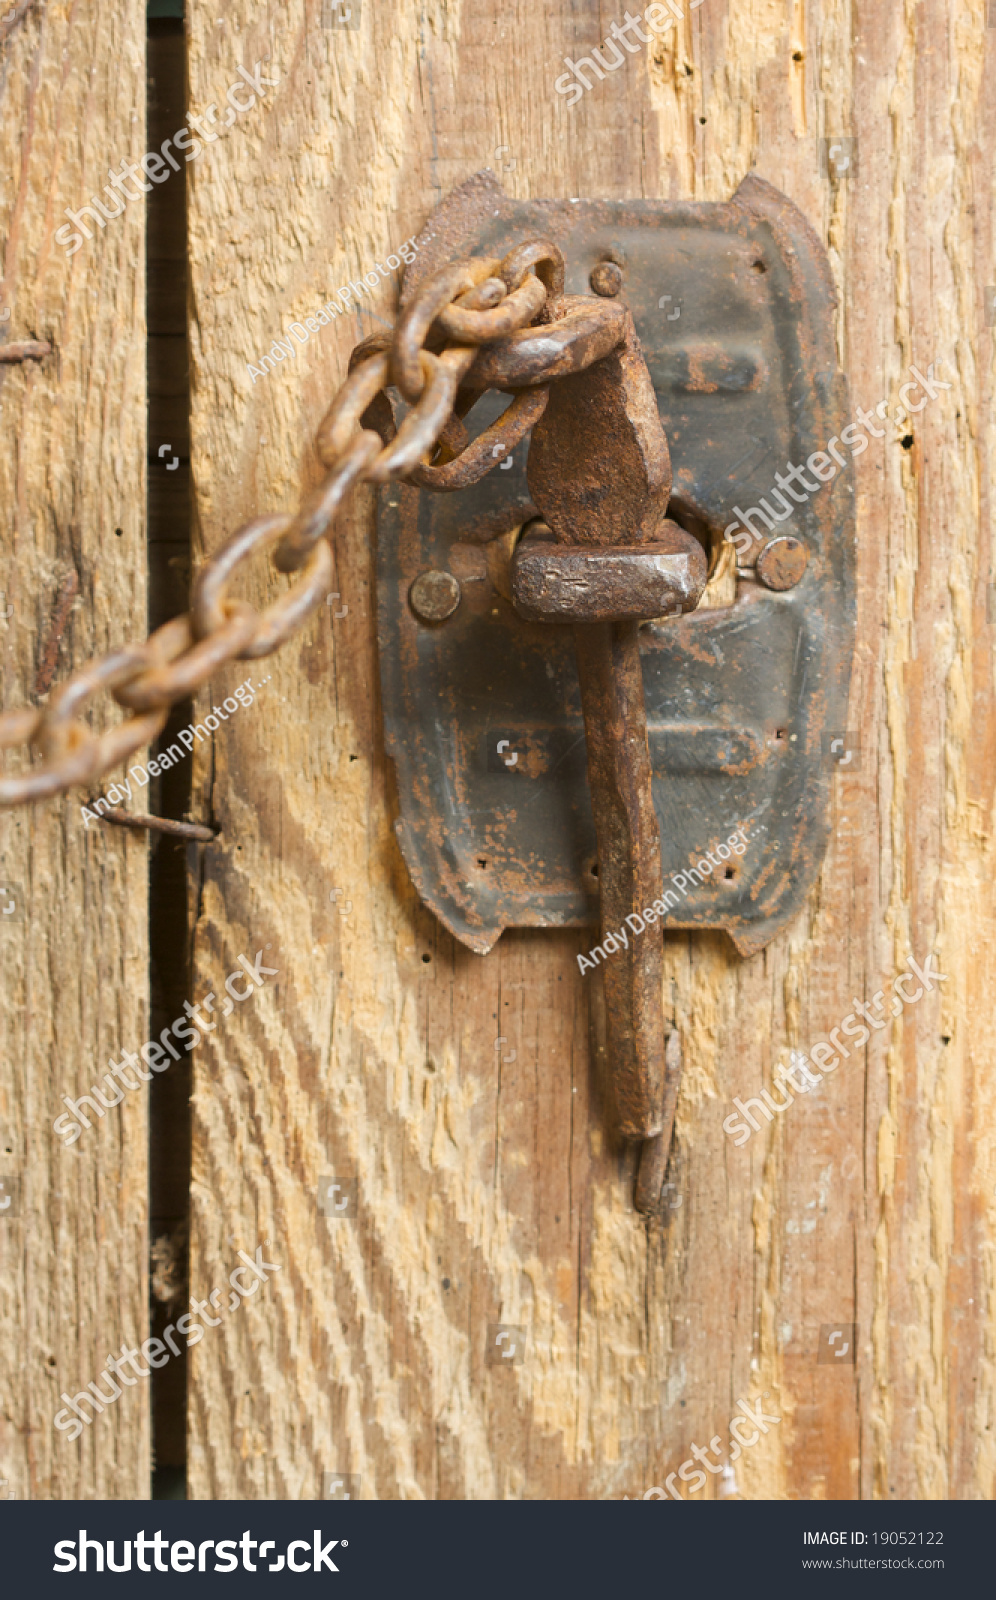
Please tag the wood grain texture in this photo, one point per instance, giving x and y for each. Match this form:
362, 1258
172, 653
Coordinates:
73, 1281
490, 1188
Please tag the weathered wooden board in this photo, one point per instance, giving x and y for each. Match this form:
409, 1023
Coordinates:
462, 1093
74, 992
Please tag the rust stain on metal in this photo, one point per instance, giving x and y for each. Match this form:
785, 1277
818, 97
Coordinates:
579, 583
782, 563
599, 467
581, 330
706, 368
606, 279
629, 866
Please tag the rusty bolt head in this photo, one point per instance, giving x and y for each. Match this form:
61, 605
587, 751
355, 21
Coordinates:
554, 582
434, 596
606, 279
782, 562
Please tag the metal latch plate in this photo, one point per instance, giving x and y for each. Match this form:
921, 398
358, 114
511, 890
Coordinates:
482, 712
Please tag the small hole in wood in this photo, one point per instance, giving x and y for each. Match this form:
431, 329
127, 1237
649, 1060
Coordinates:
758, 266
730, 872
426, 960
482, 861
779, 733
593, 869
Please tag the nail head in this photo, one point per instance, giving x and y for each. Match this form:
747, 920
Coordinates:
434, 596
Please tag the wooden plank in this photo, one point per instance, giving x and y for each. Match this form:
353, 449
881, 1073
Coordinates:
75, 982
489, 1187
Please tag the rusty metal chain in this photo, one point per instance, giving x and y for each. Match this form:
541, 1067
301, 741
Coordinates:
474, 325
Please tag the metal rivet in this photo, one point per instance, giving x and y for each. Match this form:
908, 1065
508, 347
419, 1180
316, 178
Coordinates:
782, 563
606, 279
434, 596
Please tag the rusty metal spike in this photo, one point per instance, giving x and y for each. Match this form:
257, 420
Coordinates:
600, 472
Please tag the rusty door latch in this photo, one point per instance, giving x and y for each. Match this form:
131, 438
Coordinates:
545, 785
689, 719
600, 473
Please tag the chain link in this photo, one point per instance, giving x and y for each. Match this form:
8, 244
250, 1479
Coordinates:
474, 325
